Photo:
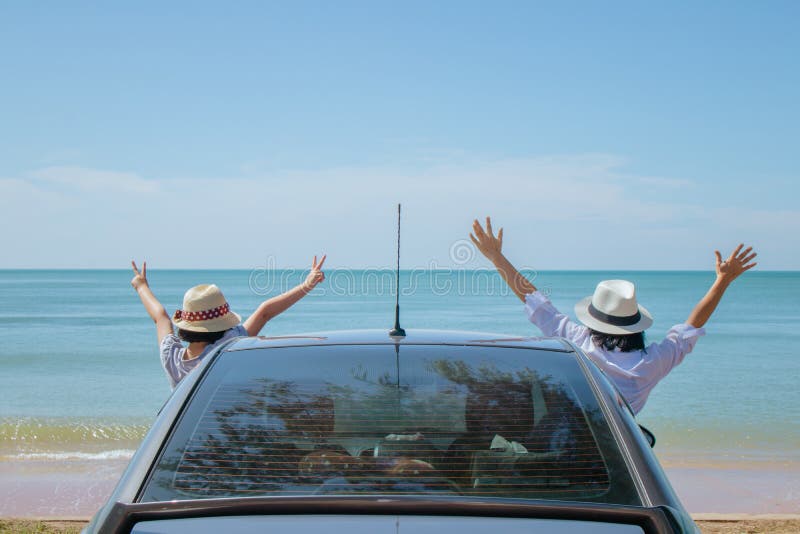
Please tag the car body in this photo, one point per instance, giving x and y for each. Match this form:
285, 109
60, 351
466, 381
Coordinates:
359, 431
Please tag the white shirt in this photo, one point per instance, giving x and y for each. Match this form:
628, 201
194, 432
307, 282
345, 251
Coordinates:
634, 373
172, 351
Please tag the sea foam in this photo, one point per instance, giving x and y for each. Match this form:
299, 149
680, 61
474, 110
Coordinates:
119, 454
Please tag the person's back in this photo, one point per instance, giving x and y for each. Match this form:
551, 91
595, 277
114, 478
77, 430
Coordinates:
613, 323
206, 319
619, 349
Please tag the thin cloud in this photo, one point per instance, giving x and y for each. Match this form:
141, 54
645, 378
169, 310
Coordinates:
96, 180
558, 211
672, 183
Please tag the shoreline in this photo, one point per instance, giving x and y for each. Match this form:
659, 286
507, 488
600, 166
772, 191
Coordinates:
54, 468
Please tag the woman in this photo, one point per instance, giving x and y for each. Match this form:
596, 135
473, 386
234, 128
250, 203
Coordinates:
207, 320
612, 333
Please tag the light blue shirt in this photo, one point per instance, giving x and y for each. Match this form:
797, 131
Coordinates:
172, 351
635, 373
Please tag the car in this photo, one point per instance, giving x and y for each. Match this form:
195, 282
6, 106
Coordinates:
360, 431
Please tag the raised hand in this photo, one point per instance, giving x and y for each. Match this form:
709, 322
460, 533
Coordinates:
279, 304
738, 262
139, 278
489, 245
316, 275
727, 271
154, 308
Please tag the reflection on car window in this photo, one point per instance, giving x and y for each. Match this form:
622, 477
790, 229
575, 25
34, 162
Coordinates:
474, 421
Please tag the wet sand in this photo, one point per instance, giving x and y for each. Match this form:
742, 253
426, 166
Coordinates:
42, 489
737, 489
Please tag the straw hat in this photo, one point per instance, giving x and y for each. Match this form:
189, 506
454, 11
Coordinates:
205, 310
613, 309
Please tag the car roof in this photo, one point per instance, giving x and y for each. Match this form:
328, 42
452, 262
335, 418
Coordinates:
412, 337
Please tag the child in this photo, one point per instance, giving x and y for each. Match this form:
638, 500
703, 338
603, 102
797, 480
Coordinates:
206, 319
612, 333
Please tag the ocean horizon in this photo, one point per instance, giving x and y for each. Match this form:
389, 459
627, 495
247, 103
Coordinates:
82, 380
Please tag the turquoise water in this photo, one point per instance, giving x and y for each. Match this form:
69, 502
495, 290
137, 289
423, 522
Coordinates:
80, 367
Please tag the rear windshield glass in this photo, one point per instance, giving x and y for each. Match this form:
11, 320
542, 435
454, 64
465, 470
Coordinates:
350, 420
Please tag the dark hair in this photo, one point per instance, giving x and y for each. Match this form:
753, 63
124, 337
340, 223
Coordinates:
206, 337
623, 342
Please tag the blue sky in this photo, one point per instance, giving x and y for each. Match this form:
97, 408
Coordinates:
601, 135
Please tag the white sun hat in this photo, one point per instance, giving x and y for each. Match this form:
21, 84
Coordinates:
205, 310
613, 309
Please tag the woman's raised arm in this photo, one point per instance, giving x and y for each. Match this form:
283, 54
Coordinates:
154, 308
491, 247
277, 305
727, 271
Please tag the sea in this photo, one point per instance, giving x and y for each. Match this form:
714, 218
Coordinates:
81, 380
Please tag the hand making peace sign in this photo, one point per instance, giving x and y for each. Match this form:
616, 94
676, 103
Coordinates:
316, 275
139, 278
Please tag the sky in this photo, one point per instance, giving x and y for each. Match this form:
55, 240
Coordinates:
599, 135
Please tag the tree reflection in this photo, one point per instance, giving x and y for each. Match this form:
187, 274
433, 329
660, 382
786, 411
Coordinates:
561, 449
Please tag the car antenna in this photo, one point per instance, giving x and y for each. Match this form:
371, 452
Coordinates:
397, 331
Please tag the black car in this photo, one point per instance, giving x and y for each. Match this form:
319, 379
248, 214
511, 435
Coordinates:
362, 432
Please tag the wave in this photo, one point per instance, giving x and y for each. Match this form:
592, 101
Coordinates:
119, 454
34, 436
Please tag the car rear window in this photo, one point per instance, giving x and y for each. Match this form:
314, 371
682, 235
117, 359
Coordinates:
373, 420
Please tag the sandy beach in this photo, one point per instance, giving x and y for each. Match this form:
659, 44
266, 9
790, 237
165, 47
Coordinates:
48, 496
737, 488
76, 488
45, 489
